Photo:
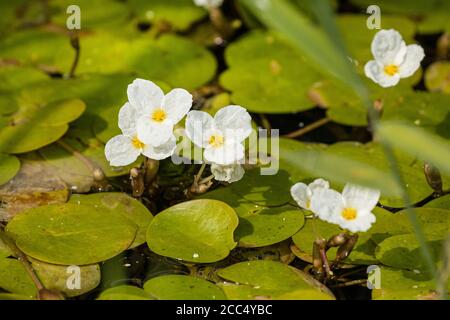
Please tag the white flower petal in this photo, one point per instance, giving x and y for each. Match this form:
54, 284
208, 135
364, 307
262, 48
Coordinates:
388, 47
361, 223
230, 173
327, 204
413, 58
302, 195
177, 103
234, 121
119, 151
154, 133
145, 96
161, 152
360, 198
225, 155
197, 125
375, 71
318, 184
208, 3
127, 119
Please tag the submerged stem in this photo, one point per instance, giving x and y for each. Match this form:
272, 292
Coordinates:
308, 128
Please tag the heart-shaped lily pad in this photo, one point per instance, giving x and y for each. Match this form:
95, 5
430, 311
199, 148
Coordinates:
403, 252
124, 293
180, 14
180, 287
9, 166
123, 204
15, 279
258, 225
72, 233
264, 190
270, 280
34, 126
403, 285
197, 231
263, 68
57, 277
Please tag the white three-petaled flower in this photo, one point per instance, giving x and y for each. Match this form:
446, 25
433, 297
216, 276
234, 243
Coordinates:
230, 173
351, 210
393, 58
208, 3
147, 121
221, 136
155, 114
303, 193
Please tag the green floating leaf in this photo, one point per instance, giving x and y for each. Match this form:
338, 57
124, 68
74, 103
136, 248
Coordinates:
198, 231
259, 226
9, 166
434, 222
124, 293
441, 202
123, 204
4, 250
437, 77
264, 190
180, 14
262, 69
417, 142
270, 280
403, 285
57, 277
180, 287
12, 296
16, 77
93, 13
72, 233
15, 279
34, 126
403, 252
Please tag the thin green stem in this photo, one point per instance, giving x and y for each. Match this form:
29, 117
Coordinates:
199, 174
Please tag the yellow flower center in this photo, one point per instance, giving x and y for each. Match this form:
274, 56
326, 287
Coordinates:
391, 69
349, 213
159, 115
216, 141
138, 144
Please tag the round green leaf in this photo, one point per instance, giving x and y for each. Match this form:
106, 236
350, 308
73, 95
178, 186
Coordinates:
55, 277
180, 14
403, 285
259, 226
72, 233
15, 279
124, 293
180, 287
262, 69
403, 251
441, 202
198, 231
123, 204
270, 280
9, 166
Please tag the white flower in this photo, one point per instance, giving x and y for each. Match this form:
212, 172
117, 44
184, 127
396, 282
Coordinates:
351, 210
230, 173
221, 136
302, 193
124, 149
393, 58
154, 114
208, 3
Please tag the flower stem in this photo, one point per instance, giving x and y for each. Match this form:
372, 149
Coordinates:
75, 42
199, 173
207, 179
308, 128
